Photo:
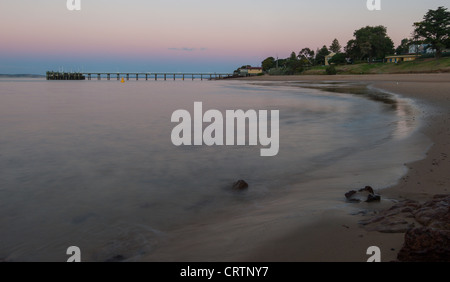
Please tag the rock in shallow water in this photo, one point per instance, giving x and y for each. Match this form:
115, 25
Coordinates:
367, 189
366, 194
240, 185
349, 195
373, 198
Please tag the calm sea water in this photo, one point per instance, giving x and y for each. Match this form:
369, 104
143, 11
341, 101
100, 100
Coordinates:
91, 164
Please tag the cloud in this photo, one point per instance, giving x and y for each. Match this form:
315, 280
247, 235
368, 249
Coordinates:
186, 49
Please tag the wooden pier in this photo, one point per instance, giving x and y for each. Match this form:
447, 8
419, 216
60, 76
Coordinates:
135, 75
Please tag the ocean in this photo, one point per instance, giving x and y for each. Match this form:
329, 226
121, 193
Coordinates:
91, 164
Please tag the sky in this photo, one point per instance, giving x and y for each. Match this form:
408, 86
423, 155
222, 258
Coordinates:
183, 35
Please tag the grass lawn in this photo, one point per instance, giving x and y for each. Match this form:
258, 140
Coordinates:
429, 65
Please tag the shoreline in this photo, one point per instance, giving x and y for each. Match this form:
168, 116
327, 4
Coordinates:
340, 237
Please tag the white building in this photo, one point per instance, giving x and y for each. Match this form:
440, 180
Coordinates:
421, 49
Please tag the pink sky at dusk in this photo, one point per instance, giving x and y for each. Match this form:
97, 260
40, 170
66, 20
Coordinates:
199, 33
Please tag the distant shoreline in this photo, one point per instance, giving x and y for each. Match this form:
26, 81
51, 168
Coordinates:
369, 78
22, 75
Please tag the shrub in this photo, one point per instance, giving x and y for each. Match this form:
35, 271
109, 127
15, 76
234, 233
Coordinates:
331, 70
338, 59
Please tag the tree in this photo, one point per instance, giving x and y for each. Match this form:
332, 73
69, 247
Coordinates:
293, 64
351, 50
335, 46
268, 63
306, 56
338, 59
370, 42
321, 54
435, 29
403, 48
281, 63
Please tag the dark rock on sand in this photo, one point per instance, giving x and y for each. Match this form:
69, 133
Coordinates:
366, 194
435, 213
431, 242
427, 228
398, 219
426, 244
240, 185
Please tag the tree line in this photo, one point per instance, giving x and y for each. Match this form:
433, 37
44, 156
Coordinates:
369, 44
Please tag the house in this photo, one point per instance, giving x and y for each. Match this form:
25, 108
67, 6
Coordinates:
250, 71
421, 49
254, 70
327, 58
401, 58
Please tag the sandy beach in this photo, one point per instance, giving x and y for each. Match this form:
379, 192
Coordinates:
340, 237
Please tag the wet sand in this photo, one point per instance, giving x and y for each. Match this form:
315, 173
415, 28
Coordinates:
339, 237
